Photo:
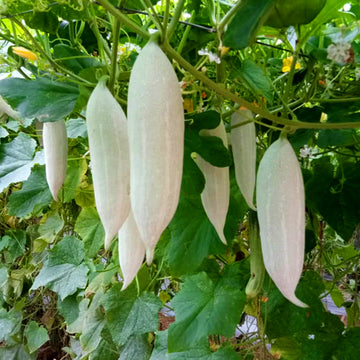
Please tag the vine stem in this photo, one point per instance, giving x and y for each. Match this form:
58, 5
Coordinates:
228, 16
175, 19
115, 46
123, 19
293, 124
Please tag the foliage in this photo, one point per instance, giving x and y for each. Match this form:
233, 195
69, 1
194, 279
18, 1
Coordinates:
60, 291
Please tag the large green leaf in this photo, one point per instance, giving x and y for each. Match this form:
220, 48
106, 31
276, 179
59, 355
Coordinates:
336, 196
16, 352
200, 351
10, 324
34, 195
285, 319
64, 271
46, 99
88, 225
127, 314
17, 159
255, 79
136, 347
75, 171
35, 335
243, 28
73, 59
14, 242
93, 323
220, 298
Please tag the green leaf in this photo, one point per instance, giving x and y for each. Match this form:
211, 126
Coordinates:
35, 193
285, 319
243, 28
3, 132
105, 350
128, 315
17, 352
73, 312
45, 98
88, 225
64, 271
3, 283
14, 241
35, 335
73, 59
348, 347
200, 351
220, 299
17, 159
255, 78
93, 323
10, 325
160, 346
336, 196
50, 229
338, 137
76, 170
76, 128
45, 21
136, 347
193, 237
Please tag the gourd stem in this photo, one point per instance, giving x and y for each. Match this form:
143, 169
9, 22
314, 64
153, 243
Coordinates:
294, 124
153, 15
115, 46
124, 19
175, 19
228, 16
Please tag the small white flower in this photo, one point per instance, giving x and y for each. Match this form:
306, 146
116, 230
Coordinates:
339, 52
212, 56
305, 151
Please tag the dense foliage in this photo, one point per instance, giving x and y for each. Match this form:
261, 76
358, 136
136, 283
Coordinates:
60, 291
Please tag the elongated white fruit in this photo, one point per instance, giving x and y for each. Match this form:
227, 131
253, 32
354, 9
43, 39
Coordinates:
131, 250
5, 108
243, 142
55, 149
156, 135
216, 194
281, 212
110, 162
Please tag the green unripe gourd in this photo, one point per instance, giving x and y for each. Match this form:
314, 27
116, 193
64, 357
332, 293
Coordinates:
280, 200
109, 159
55, 149
156, 136
216, 194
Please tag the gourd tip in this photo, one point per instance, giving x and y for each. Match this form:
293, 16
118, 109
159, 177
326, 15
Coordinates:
149, 256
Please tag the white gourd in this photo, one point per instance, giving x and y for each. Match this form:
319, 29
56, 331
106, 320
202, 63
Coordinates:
5, 108
55, 149
156, 136
131, 250
243, 142
281, 212
109, 159
216, 194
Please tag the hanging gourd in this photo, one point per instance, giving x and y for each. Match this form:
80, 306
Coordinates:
156, 136
55, 149
243, 142
131, 250
109, 159
216, 194
280, 200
